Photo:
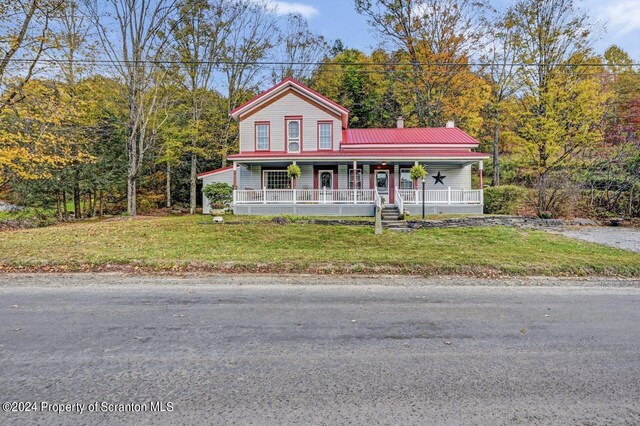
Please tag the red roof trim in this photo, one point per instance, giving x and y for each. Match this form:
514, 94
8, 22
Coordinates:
211, 172
282, 83
368, 153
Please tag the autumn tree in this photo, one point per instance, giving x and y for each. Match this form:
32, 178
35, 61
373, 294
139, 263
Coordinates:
500, 57
300, 50
200, 31
436, 39
25, 34
134, 36
561, 99
361, 83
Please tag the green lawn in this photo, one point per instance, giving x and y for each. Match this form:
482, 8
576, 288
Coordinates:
185, 243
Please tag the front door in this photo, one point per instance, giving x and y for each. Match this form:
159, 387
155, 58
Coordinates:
325, 183
382, 183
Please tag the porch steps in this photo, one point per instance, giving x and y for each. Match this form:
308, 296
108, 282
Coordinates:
396, 225
390, 213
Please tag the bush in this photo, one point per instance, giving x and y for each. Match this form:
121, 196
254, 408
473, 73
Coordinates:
507, 199
218, 194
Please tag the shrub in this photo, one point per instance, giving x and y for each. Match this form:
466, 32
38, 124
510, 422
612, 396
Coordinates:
507, 199
218, 194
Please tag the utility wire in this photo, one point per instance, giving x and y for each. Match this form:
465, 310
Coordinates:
320, 63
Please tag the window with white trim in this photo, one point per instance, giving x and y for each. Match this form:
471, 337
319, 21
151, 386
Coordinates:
262, 137
293, 136
405, 179
358, 178
276, 179
324, 135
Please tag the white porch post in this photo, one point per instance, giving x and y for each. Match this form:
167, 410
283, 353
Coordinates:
295, 198
481, 170
355, 182
235, 181
448, 195
264, 195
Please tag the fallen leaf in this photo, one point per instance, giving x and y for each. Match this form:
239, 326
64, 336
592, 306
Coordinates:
446, 342
523, 330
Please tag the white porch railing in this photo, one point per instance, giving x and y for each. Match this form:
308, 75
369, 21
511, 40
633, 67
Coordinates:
441, 196
305, 196
399, 200
359, 196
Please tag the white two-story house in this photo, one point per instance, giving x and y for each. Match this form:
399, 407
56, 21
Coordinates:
344, 172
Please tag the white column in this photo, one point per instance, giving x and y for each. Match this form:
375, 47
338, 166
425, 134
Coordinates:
355, 182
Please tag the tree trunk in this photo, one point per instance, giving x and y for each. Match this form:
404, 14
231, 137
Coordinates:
168, 185
542, 193
496, 157
58, 209
76, 193
64, 205
192, 199
101, 203
131, 195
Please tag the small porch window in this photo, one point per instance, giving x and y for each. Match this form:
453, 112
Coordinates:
358, 178
293, 136
405, 179
276, 179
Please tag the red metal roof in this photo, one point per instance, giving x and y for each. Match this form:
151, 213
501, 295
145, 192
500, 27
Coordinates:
427, 136
361, 153
211, 172
289, 80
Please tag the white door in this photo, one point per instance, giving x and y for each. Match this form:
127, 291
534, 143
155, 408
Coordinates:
382, 182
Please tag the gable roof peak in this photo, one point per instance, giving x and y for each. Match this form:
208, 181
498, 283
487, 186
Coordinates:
290, 82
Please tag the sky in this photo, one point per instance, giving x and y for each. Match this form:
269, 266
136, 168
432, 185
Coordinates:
338, 19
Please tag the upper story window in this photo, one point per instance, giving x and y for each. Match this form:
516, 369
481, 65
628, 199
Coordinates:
324, 135
293, 135
262, 136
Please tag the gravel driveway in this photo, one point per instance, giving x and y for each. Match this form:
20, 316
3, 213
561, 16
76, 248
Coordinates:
623, 238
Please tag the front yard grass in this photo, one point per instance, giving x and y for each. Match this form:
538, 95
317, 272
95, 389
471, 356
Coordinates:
186, 244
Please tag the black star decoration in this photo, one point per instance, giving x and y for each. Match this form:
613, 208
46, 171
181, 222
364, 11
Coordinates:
439, 178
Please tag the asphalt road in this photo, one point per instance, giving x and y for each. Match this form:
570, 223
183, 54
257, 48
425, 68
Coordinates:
292, 350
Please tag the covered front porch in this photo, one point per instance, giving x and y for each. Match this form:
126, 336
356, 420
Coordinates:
354, 188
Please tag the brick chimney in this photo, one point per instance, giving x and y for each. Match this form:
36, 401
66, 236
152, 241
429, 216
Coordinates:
400, 122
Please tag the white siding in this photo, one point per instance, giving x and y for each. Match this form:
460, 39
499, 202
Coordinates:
306, 177
250, 177
456, 176
223, 177
289, 105
365, 177
342, 177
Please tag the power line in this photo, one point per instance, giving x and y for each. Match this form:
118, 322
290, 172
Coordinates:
320, 63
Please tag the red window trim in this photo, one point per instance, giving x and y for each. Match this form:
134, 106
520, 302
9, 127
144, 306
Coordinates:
318, 131
288, 118
255, 135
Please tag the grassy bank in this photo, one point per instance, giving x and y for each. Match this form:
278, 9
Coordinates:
185, 243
